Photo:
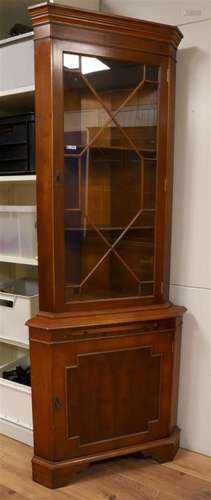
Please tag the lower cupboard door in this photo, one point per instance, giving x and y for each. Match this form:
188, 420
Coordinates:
111, 393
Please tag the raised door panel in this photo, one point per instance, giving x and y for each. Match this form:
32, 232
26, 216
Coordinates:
111, 393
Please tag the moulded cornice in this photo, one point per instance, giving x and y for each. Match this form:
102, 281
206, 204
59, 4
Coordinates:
47, 13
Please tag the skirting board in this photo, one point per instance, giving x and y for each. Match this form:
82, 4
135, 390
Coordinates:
17, 432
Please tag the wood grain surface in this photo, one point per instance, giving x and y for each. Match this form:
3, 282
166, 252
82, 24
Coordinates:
187, 478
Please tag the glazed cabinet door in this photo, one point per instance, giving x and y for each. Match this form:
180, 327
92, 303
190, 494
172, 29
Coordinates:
111, 392
111, 171
106, 186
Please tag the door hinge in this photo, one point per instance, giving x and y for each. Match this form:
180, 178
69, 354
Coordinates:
165, 185
162, 287
56, 403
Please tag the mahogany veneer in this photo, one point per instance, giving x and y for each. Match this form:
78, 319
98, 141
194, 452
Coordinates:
105, 346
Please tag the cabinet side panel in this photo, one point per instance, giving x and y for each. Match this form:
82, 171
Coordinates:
43, 103
42, 395
176, 372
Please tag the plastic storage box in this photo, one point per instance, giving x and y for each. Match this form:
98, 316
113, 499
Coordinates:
18, 303
15, 399
18, 236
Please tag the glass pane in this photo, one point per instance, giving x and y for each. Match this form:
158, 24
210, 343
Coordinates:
136, 249
149, 184
85, 250
138, 117
83, 112
109, 280
110, 143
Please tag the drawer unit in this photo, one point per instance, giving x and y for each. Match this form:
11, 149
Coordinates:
18, 303
15, 310
17, 144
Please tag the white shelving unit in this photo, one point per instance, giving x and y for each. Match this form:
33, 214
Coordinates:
18, 260
15, 399
17, 38
17, 92
14, 343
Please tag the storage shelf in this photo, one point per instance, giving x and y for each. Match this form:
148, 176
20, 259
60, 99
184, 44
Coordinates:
17, 92
121, 148
17, 178
15, 39
18, 260
5, 160
108, 228
6, 144
19, 100
15, 343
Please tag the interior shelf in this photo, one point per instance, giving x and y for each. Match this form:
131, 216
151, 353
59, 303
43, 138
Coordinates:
108, 228
104, 146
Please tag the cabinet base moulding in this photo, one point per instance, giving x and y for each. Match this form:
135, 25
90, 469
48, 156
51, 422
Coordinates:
58, 474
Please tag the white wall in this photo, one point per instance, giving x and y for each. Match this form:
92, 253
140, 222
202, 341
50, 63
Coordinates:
191, 238
84, 4
162, 11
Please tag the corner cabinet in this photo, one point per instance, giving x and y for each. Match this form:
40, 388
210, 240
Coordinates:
105, 345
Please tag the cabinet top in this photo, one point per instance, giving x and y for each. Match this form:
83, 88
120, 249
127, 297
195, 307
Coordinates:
51, 13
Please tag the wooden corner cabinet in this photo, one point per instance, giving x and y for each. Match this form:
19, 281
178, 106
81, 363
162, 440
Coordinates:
105, 345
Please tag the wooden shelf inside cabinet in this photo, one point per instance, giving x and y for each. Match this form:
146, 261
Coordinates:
104, 146
109, 228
